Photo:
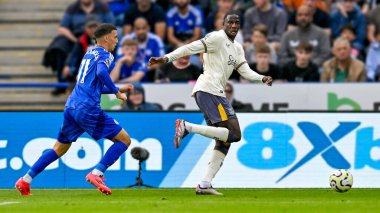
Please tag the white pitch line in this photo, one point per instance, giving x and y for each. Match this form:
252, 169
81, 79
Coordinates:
7, 203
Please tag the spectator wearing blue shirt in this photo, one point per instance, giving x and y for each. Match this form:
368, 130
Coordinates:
127, 67
184, 23
348, 13
150, 45
373, 59
69, 31
149, 10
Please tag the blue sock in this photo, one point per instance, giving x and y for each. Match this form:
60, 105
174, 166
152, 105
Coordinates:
46, 158
111, 156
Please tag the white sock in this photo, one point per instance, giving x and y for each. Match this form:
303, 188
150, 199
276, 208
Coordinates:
218, 133
27, 178
214, 165
97, 172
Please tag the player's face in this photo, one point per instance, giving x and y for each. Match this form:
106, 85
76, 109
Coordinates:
112, 40
231, 25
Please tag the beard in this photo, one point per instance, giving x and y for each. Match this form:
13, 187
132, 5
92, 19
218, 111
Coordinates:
304, 25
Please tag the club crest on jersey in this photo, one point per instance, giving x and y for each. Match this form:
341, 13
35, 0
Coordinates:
231, 60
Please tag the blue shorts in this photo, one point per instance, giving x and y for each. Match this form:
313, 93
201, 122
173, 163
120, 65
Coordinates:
214, 108
98, 124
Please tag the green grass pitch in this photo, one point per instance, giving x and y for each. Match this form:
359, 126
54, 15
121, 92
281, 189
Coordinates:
185, 200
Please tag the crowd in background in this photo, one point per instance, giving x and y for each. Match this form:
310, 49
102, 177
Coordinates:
289, 40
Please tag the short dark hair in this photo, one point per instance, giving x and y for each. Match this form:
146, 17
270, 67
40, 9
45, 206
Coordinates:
263, 48
104, 29
348, 27
305, 46
232, 12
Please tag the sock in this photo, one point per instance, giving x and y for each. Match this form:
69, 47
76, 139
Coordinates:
214, 165
46, 158
111, 156
218, 133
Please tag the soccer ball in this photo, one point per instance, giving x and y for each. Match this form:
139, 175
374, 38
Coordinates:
341, 180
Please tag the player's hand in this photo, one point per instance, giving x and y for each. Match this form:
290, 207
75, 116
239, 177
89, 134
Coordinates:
126, 88
122, 96
157, 60
267, 80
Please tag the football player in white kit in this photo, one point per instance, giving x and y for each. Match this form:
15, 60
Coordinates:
221, 56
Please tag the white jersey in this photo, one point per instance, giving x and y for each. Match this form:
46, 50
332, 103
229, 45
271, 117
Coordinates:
221, 56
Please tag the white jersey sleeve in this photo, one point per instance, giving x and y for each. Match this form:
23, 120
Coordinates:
244, 70
207, 44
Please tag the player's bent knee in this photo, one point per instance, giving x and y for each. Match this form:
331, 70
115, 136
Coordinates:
236, 137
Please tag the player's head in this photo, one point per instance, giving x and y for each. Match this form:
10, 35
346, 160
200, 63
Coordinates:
303, 53
106, 36
141, 29
231, 24
129, 47
259, 34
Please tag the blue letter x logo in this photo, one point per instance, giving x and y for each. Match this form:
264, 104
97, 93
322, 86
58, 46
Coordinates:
324, 144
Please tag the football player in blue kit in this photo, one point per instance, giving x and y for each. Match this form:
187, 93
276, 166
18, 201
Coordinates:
83, 113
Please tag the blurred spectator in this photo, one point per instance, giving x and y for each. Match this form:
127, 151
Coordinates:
348, 32
150, 45
373, 58
243, 5
224, 6
180, 70
347, 12
218, 25
343, 68
373, 23
377, 74
85, 43
118, 8
127, 67
265, 13
136, 100
320, 17
301, 69
307, 32
368, 5
149, 10
236, 105
293, 5
262, 64
259, 37
71, 28
185, 23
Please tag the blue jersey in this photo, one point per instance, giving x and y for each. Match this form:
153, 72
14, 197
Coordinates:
127, 71
91, 81
153, 47
184, 24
